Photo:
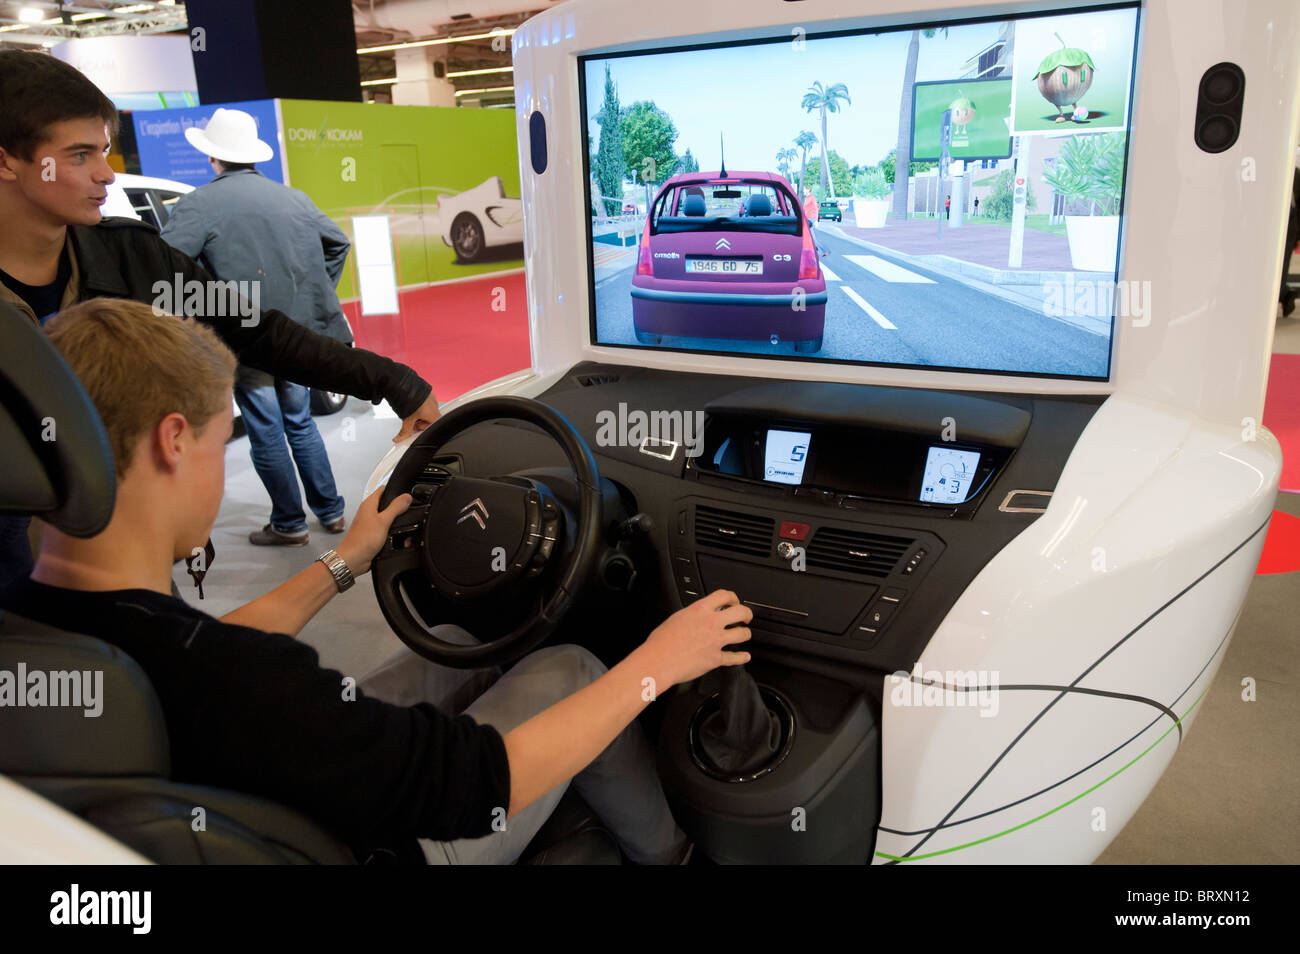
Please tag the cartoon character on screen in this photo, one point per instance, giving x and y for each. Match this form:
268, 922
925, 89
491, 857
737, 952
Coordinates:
1064, 76
963, 111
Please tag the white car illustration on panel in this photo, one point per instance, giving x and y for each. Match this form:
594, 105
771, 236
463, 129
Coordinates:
480, 218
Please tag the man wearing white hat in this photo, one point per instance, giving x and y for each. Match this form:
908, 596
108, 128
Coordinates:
244, 227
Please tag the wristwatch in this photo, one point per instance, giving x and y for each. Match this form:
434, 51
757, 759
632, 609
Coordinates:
338, 569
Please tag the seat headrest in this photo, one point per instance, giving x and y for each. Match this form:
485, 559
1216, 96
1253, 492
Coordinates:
694, 205
58, 462
111, 723
758, 204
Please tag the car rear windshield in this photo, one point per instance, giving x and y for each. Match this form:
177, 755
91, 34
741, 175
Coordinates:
726, 207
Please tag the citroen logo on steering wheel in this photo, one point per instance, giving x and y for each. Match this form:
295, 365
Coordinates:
477, 510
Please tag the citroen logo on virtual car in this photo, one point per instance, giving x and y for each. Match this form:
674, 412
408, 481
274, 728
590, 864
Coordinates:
723, 243
475, 509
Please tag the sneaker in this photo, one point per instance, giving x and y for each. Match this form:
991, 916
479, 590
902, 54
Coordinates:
334, 526
268, 536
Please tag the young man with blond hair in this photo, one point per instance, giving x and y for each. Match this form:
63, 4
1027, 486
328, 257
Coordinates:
249, 708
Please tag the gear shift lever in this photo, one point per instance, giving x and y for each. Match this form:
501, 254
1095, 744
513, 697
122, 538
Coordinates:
743, 734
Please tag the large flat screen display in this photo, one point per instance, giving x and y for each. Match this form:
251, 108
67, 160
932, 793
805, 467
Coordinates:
945, 195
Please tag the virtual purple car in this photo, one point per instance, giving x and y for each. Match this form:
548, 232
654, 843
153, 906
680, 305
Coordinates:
728, 255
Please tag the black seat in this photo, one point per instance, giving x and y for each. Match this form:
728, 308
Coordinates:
694, 205
758, 204
114, 770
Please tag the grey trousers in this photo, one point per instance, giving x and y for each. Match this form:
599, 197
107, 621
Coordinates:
620, 785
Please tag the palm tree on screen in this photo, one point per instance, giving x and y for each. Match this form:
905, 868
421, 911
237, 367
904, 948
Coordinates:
805, 141
903, 153
783, 159
825, 100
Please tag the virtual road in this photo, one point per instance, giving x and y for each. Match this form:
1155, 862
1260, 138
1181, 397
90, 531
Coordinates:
883, 307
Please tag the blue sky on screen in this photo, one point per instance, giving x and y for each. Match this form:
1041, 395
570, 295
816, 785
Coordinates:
751, 94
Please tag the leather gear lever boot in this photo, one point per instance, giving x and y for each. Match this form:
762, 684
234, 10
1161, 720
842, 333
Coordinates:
742, 734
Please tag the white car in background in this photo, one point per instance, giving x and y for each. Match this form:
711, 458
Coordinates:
144, 197
150, 199
480, 218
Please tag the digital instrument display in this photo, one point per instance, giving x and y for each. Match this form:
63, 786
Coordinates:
784, 456
949, 475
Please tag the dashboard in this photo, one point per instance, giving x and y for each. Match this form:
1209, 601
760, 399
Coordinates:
848, 517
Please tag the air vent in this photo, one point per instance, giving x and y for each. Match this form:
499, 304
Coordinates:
728, 530
595, 380
853, 551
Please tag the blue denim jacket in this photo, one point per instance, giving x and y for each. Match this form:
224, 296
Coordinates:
244, 227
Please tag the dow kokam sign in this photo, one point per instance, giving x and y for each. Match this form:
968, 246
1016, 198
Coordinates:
328, 134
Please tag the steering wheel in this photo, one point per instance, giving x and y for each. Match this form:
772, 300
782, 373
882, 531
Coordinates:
474, 545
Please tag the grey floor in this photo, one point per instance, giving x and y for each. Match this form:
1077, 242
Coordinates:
1228, 797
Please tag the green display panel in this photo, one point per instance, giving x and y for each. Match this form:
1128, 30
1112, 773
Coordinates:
409, 163
981, 119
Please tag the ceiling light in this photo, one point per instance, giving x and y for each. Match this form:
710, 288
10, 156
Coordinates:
440, 41
490, 89
495, 69
31, 15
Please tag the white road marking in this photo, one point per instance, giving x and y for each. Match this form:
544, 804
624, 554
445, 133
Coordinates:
830, 276
876, 316
888, 270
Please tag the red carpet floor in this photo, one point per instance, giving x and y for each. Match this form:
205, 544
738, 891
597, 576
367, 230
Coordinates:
458, 335
1282, 417
1281, 546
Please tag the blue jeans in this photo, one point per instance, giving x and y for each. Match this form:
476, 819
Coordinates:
275, 410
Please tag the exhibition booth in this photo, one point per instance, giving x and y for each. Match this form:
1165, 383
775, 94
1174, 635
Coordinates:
977, 412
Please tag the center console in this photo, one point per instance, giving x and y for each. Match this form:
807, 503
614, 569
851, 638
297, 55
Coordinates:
849, 518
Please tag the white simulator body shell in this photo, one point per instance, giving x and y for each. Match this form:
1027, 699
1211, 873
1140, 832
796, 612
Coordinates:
35, 831
1106, 619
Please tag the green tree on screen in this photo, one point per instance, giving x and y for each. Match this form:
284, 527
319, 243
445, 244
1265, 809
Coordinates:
648, 138
610, 167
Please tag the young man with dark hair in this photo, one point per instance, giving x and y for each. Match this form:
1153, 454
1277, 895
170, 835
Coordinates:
54, 250
249, 708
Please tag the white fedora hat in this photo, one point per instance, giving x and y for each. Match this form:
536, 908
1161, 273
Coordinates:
230, 136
